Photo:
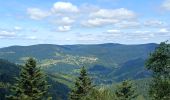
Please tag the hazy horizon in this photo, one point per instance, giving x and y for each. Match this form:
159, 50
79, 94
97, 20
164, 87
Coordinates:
76, 44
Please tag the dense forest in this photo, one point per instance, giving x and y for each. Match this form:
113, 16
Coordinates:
29, 81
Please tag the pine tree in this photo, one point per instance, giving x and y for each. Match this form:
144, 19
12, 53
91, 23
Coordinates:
31, 83
83, 86
125, 91
159, 64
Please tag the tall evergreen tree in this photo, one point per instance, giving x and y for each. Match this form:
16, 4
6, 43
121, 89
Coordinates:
125, 91
83, 86
159, 64
31, 84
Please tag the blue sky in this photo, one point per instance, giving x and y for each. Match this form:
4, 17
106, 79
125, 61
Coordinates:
28, 22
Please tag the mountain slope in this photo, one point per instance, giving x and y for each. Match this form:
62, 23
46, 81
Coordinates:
8, 72
112, 59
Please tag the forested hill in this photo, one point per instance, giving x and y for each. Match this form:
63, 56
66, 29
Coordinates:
111, 53
115, 61
106, 63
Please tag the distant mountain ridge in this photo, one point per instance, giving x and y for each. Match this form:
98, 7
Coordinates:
113, 60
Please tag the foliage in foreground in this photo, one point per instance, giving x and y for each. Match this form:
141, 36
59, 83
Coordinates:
100, 94
125, 91
31, 84
85, 91
82, 87
159, 64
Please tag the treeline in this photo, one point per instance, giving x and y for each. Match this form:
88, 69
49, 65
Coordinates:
85, 90
32, 85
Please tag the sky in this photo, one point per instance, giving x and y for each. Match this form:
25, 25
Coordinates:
29, 22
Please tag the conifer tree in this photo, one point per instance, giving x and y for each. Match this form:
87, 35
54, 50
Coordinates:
159, 64
31, 83
83, 86
125, 91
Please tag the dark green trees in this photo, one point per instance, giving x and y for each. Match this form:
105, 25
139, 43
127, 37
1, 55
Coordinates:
125, 91
159, 64
31, 84
83, 86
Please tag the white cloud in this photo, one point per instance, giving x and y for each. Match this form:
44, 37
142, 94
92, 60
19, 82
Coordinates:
166, 5
128, 24
67, 20
125, 23
62, 7
31, 37
17, 28
14, 34
120, 13
7, 34
63, 14
88, 8
64, 21
163, 30
141, 34
99, 22
64, 28
154, 23
37, 14
103, 17
149, 34
113, 31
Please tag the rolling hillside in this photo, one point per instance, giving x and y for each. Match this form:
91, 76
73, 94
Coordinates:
106, 62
